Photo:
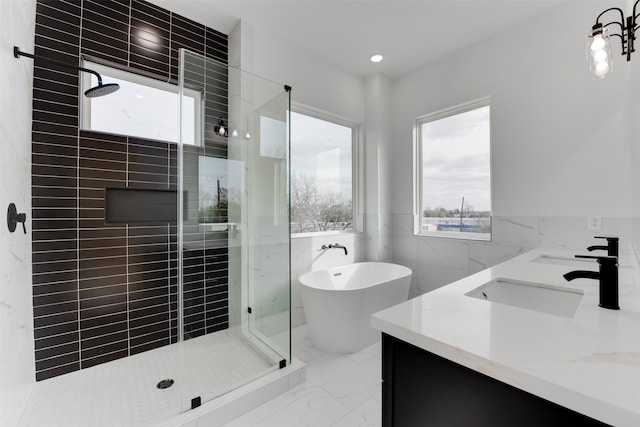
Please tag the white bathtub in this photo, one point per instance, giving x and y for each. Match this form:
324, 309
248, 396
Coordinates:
338, 302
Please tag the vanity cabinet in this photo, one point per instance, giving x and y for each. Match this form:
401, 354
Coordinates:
422, 389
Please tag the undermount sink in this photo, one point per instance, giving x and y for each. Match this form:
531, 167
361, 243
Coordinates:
589, 264
531, 296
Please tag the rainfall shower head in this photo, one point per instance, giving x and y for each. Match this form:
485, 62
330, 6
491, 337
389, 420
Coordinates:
100, 90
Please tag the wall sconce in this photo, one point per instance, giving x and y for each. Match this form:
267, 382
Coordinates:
220, 128
598, 40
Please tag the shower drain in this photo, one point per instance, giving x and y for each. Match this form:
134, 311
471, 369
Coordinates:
165, 384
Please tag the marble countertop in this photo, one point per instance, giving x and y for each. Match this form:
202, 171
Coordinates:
589, 363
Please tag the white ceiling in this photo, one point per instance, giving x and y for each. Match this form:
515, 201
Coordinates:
347, 32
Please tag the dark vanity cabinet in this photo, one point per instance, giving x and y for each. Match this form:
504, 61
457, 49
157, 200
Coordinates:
422, 389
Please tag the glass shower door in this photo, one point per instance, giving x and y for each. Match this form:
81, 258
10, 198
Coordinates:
227, 232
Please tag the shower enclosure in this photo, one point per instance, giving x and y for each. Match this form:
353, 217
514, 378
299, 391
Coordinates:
226, 300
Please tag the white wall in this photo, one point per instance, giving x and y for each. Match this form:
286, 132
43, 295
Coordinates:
560, 143
558, 135
315, 82
17, 371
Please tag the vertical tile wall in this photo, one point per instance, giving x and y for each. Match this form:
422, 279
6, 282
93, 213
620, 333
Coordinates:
106, 291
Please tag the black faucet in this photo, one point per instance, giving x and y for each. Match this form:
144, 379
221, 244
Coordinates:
335, 245
611, 248
607, 276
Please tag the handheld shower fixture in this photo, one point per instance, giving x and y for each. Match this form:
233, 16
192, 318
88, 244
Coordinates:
100, 90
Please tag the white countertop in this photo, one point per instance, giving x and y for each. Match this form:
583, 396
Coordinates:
589, 363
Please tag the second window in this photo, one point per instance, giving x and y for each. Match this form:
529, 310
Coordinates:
453, 191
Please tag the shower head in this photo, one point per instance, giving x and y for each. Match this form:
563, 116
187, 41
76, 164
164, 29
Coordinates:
100, 90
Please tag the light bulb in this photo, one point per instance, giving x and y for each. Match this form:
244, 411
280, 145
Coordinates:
222, 131
376, 58
247, 135
602, 68
600, 55
598, 43
234, 133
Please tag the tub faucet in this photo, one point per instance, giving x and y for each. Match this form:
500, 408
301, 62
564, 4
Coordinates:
335, 245
611, 248
607, 276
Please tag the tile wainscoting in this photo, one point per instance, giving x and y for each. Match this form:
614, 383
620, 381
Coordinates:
437, 261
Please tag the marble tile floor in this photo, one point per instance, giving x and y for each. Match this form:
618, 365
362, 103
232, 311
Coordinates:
339, 391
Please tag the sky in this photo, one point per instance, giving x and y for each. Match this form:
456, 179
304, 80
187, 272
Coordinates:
456, 161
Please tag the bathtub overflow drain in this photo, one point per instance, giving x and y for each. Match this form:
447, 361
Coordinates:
165, 384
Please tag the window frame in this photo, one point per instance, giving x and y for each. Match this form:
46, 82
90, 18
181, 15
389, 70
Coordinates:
113, 71
356, 169
418, 171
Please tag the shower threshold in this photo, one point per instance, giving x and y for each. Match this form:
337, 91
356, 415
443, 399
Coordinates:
221, 368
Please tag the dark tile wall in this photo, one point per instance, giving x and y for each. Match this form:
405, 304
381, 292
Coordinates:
105, 291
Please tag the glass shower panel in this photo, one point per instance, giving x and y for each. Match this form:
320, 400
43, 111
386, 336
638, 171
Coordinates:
217, 234
269, 243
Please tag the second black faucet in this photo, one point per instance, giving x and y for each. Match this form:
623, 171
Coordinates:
611, 248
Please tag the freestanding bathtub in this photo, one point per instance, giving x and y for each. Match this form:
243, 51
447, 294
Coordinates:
338, 302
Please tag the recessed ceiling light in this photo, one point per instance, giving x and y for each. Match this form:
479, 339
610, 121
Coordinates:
376, 58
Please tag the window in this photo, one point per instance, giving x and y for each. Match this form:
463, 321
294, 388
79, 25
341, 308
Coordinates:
453, 191
322, 173
143, 107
